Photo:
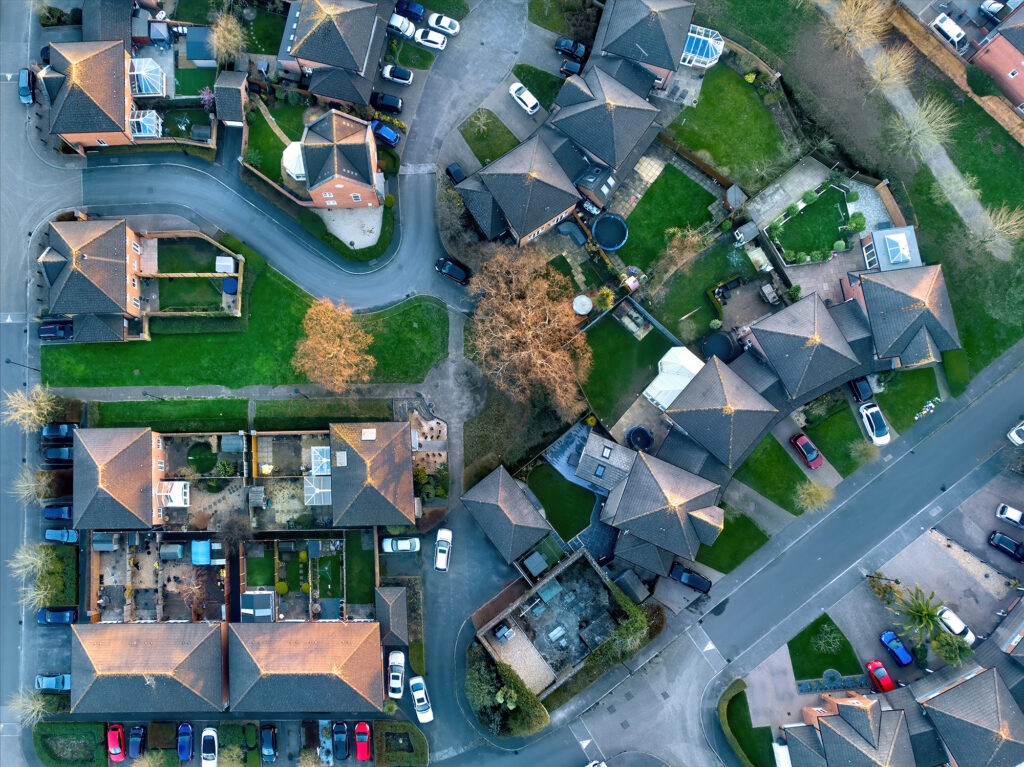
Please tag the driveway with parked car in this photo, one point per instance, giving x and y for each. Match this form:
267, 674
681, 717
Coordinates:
973, 522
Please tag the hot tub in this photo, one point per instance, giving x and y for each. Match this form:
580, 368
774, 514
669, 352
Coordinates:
610, 231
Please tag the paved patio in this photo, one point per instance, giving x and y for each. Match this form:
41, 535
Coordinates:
770, 203
823, 278
646, 172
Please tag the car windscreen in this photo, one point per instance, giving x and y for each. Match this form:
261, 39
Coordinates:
878, 423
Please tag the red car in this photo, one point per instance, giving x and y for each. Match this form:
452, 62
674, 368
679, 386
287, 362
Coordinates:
807, 450
880, 677
362, 742
115, 742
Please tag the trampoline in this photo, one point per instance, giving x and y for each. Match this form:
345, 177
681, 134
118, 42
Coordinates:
639, 438
719, 344
610, 231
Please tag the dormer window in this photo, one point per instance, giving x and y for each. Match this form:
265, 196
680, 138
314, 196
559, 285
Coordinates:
606, 452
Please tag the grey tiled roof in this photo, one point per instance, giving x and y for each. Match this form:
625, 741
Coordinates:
574, 90
391, 605
759, 375
104, 20
683, 451
928, 749
616, 464
162, 668
507, 516
904, 302
638, 79
334, 32
97, 328
113, 479
337, 146
805, 345
481, 205
652, 32
721, 412
805, 747
94, 271
371, 478
91, 94
341, 85
529, 186
569, 157
887, 743
851, 319
229, 91
643, 553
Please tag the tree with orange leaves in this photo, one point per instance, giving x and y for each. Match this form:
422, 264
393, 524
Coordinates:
333, 353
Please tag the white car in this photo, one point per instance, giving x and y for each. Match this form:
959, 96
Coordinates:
1016, 434
442, 549
874, 424
420, 701
1010, 515
208, 747
399, 75
952, 623
396, 674
428, 38
400, 545
443, 24
524, 98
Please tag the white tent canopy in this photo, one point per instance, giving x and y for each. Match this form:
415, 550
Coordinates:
675, 370
293, 163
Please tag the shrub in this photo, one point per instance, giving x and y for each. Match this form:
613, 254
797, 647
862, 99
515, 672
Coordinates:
750, 77
281, 588
858, 223
389, 201
723, 705
304, 521
839, 246
605, 299
852, 196
305, 588
253, 157
981, 82
792, 209
958, 372
70, 744
772, 98
419, 476
294, 98
793, 293
802, 258
726, 225
774, 230
715, 324
529, 715
809, 196
820, 255
390, 707
836, 178
399, 743
51, 17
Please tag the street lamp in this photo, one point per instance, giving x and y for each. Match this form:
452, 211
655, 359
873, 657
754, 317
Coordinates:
9, 361
883, 578
153, 396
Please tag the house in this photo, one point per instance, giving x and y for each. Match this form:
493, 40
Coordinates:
371, 474
391, 608
92, 270
337, 158
231, 98
651, 33
507, 515
1002, 55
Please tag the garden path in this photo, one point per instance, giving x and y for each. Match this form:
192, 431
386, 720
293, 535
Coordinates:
271, 121
769, 516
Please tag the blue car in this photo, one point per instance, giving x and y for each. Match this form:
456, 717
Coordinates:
385, 133
185, 749
412, 11
56, 616
895, 647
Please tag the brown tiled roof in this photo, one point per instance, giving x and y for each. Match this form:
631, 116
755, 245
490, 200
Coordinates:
306, 667
87, 261
371, 479
113, 479
91, 97
391, 604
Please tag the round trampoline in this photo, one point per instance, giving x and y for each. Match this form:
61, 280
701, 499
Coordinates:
720, 344
610, 231
639, 438
230, 285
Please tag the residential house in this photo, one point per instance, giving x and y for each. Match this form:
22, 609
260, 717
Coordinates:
651, 33
338, 161
371, 474
1002, 55
513, 522
391, 608
231, 97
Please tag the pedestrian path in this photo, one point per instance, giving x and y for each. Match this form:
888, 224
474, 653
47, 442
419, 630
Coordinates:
768, 515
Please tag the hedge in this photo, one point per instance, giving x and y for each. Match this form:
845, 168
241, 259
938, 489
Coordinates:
529, 716
731, 692
958, 372
418, 756
80, 736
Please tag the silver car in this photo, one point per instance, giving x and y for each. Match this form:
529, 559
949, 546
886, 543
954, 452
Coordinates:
1010, 515
951, 622
53, 682
420, 701
400, 545
396, 674
443, 549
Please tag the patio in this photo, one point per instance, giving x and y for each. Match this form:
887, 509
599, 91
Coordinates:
287, 455
824, 278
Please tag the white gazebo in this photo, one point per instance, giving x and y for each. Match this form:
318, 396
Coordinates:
675, 370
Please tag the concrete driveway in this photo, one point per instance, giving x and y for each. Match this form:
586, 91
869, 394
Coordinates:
974, 520
862, 618
538, 49
826, 473
509, 112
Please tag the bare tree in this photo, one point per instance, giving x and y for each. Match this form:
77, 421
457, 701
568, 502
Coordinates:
33, 484
931, 123
233, 530
30, 410
892, 67
308, 758
333, 352
28, 707
227, 38
828, 640
681, 250
959, 189
478, 121
29, 560
886, 589
39, 593
812, 496
231, 756
858, 24
194, 589
1005, 223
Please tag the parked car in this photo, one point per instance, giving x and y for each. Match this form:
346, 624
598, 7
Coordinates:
428, 38
995, 11
57, 454
410, 10
58, 432
569, 47
688, 577
948, 30
420, 701
524, 98
400, 545
951, 622
56, 330
44, 54
879, 676
1010, 515
60, 512
136, 741
53, 682
1009, 546
861, 389
443, 549
443, 24
401, 27
455, 173
1016, 434
186, 746
26, 86
61, 535
397, 74
452, 269
56, 616
208, 747
874, 424
115, 742
570, 67
385, 134
807, 450
362, 738
339, 740
385, 102
896, 648
396, 674
268, 743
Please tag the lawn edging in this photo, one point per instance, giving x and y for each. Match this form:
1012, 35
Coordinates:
731, 692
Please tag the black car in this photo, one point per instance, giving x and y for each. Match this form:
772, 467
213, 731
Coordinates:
688, 577
60, 512
58, 432
55, 331
339, 740
1007, 545
455, 173
57, 454
861, 389
136, 741
385, 102
412, 11
570, 67
44, 54
268, 743
453, 270
569, 47
56, 616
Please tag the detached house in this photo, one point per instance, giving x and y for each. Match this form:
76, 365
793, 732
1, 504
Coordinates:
1002, 55
337, 158
506, 514
647, 32
371, 474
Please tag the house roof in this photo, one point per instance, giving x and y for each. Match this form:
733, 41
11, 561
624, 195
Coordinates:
529, 186
805, 345
979, 722
199, 44
851, 319
508, 518
300, 667
638, 79
341, 85
104, 20
88, 264
97, 328
804, 746
652, 32
371, 478
616, 460
334, 32
683, 451
337, 146
229, 90
722, 412
928, 749
392, 610
88, 83
866, 737
609, 124
146, 667
643, 553
481, 205
910, 313
113, 479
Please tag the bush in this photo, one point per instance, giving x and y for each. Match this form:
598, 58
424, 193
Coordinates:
839, 246
389, 201
50, 16
723, 705
792, 209
821, 255
836, 178
793, 293
294, 98
529, 716
852, 196
304, 521
253, 157
981, 82
726, 225
774, 230
281, 588
958, 372
715, 324
858, 223
809, 196
390, 707
399, 743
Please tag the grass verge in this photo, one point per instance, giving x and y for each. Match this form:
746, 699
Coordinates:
549, 14
834, 437
412, 55
752, 745
312, 223
567, 505
487, 136
740, 538
179, 415
809, 663
770, 471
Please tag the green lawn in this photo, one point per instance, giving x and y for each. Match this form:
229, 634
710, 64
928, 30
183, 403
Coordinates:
329, 571
816, 227
543, 85
673, 200
487, 136
259, 571
296, 572
417, 659
263, 139
740, 538
834, 437
567, 505
771, 471
549, 14
808, 663
550, 550
266, 32
359, 575
189, 82
190, 254
177, 125
731, 124
190, 294
289, 120
905, 395
773, 24
457, 9
193, 11
79, 744
408, 339
412, 55
315, 414
623, 367
756, 742
176, 415
232, 735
